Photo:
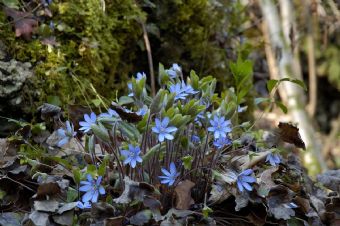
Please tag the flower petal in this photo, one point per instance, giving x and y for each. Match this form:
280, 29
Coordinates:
95, 196
85, 188
87, 196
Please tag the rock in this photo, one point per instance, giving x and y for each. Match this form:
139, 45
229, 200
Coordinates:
13, 75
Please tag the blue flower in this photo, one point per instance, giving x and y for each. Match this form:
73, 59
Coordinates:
220, 127
222, 142
110, 113
164, 132
195, 139
177, 89
273, 159
244, 180
172, 72
169, 176
142, 111
131, 155
89, 120
130, 89
66, 135
188, 89
92, 188
85, 205
139, 76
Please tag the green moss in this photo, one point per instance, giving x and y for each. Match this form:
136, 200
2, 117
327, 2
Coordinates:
104, 47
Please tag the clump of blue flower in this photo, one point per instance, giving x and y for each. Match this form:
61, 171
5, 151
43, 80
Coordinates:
66, 135
273, 159
169, 176
89, 120
220, 127
222, 142
162, 129
244, 180
92, 189
174, 70
132, 155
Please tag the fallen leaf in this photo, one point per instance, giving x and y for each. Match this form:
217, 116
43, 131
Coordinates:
102, 210
290, 133
25, 23
134, 191
66, 207
65, 218
266, 182
10, 219
39, 218
141, 218
154, 205
114, 221
125, 114
330, 179
183, 195
46, 205
51, 188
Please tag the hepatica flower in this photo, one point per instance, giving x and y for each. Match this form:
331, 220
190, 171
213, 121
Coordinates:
172, 72
162, 129
244, 180
273, 159
169, 176
89, 120
188, 89
177, 89
139, 76
92, 189
131, 155
220, 127
142, 111
222, 142
65, 135
85, 205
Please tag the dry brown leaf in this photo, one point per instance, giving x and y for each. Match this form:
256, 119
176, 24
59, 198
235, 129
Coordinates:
25, 23
51, 188
183, 195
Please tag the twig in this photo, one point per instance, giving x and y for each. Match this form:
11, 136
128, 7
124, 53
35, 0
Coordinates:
312, 23
149, 53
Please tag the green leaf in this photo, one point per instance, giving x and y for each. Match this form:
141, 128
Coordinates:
156, 102
261, 99
187, 162
124, 100
96, 102
55, 100
300, 83
72, 194
154, 150
14, 4
271, 84
206, 211
102, 168
101, 132
281, 106
76, 176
